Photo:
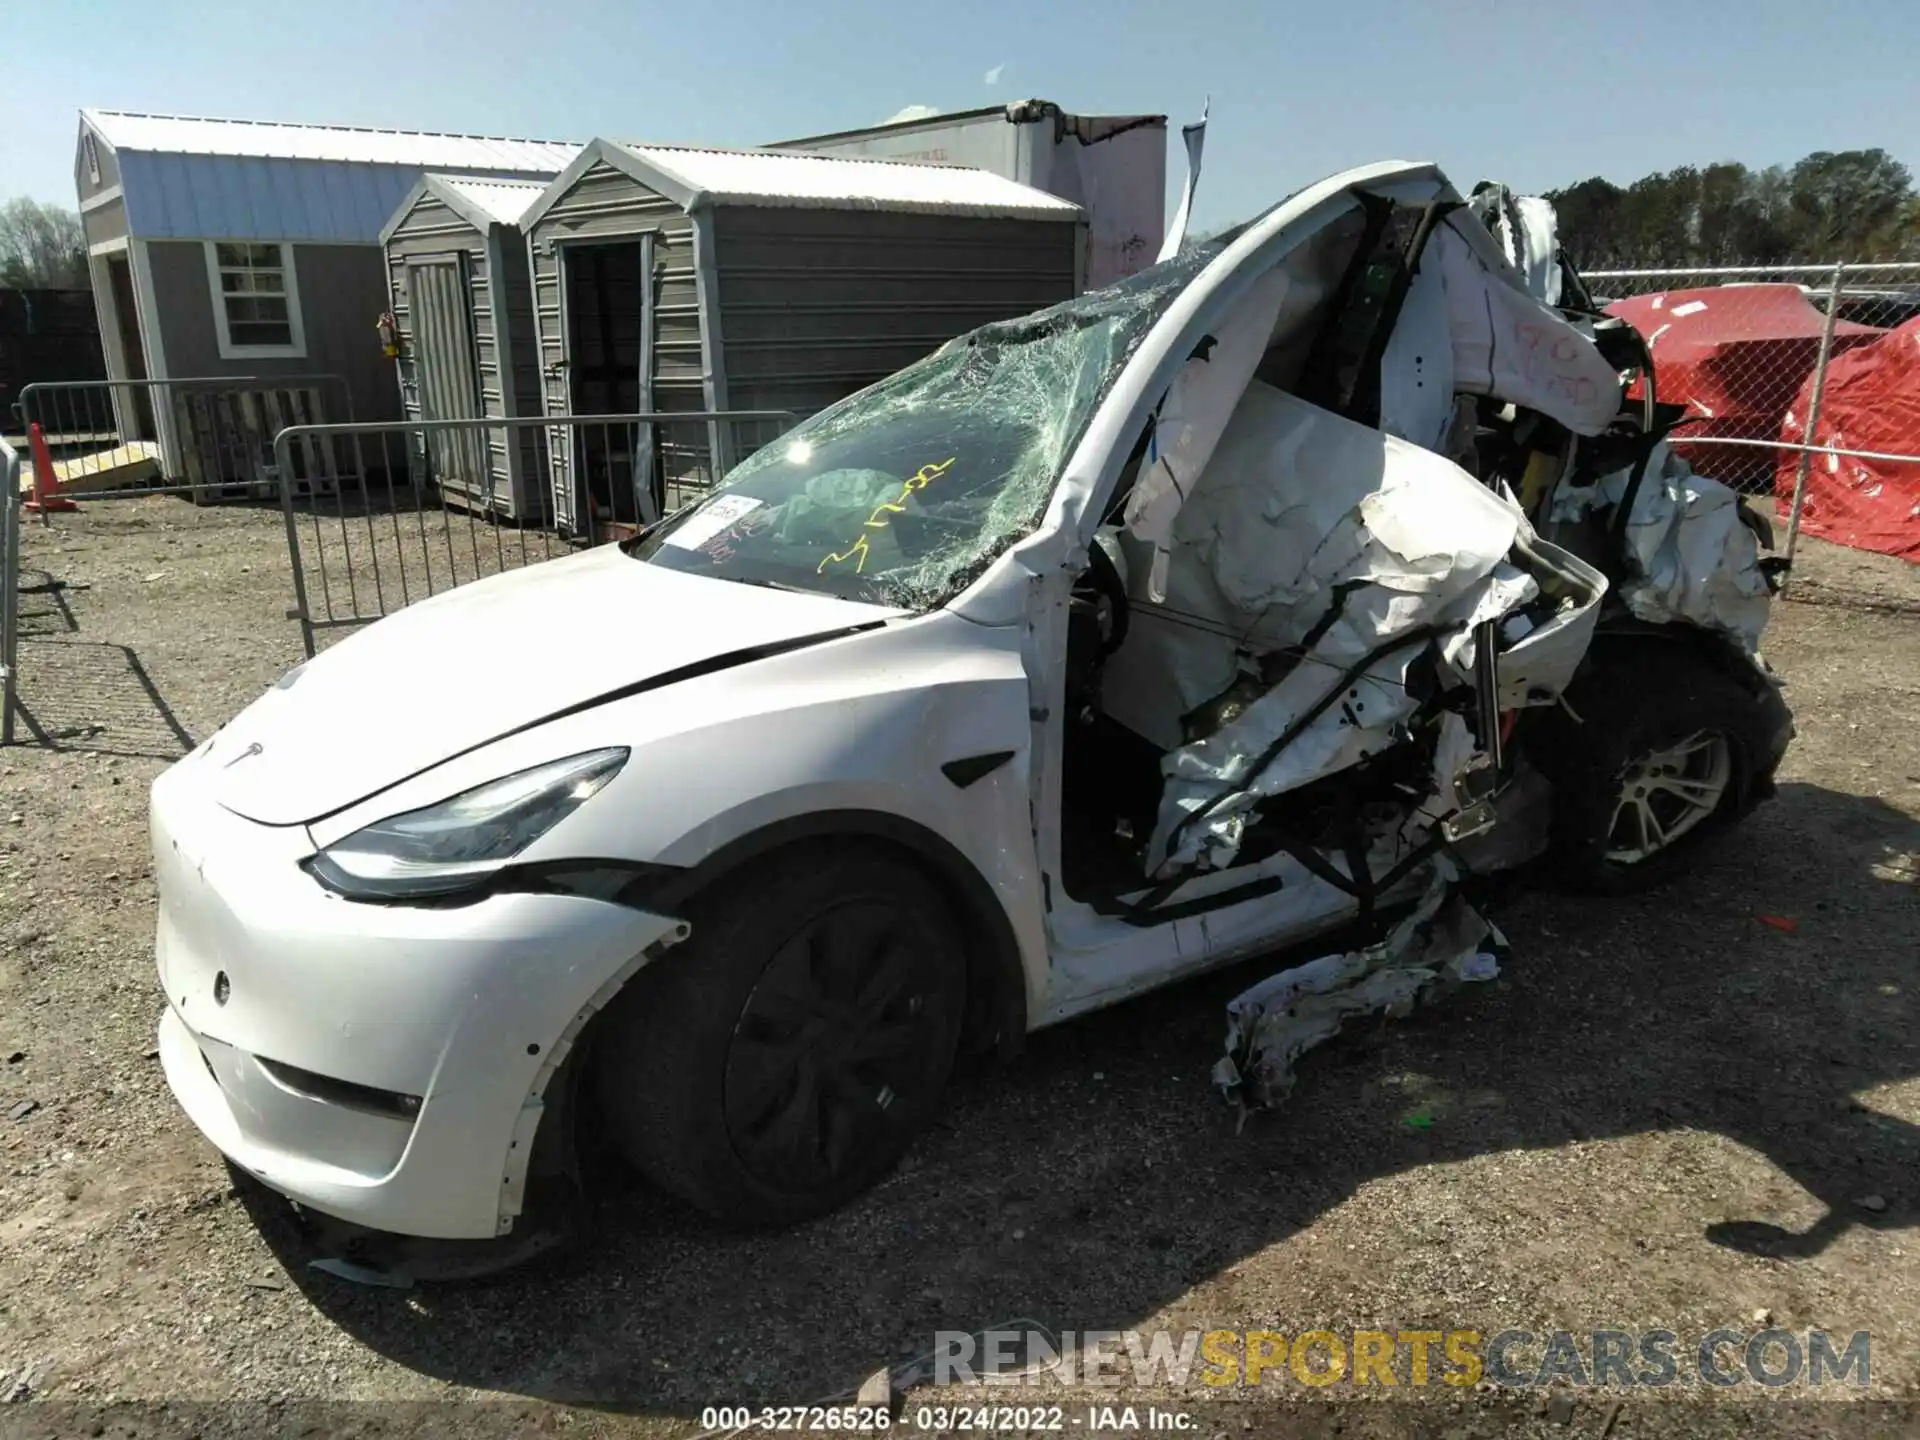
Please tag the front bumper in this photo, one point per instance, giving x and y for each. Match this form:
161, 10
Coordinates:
444, 1023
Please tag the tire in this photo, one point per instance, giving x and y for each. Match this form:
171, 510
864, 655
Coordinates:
1667, 739
780, 1061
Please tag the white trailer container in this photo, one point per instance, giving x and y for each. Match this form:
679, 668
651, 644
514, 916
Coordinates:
1113, 166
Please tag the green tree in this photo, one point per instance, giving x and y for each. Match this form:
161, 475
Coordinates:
1850, 205
1590, 222
42, 247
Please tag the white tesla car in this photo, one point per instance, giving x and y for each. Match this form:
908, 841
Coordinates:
1191, 617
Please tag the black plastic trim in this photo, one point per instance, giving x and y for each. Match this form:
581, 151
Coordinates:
390, 1104
969, 768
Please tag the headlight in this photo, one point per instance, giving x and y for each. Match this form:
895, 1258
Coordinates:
451, 846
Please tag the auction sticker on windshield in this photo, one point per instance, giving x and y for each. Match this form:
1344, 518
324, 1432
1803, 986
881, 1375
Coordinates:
696, 530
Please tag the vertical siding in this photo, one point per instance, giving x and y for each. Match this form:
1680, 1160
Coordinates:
606, 203
343, 289
432, 231
816, 304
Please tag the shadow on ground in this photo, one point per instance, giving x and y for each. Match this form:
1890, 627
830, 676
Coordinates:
1097, 1179
95, 696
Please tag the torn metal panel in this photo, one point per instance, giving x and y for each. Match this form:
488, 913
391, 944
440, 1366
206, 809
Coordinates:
1326, 541
1463, 327
1197, 409
1528, 229
1417, 386
1692, 554
1442, 942
1545, 633
1296, 503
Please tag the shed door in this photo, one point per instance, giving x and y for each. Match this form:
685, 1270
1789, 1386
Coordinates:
609, 321
447, 370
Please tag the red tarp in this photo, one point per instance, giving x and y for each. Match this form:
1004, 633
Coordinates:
1735, 355
1871, 402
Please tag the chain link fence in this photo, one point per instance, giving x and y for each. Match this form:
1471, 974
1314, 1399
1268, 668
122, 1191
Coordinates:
1800, 382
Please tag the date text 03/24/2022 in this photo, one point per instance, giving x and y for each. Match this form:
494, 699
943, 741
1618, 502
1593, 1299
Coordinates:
944, 1419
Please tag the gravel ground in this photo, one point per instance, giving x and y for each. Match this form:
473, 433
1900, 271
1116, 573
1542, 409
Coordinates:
1691, 1110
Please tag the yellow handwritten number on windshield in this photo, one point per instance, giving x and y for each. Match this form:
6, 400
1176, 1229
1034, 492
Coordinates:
858, 551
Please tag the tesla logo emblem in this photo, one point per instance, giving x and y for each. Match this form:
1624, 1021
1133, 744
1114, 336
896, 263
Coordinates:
249, 752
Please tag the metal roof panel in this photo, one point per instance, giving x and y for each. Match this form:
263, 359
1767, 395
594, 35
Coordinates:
802, 180
422, 150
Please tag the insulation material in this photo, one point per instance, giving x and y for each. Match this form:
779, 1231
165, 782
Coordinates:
1442, 943
1871, 403
1693, 557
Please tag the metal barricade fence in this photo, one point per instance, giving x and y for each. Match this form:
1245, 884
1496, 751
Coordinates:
9, 589
1760, 417
209, 437
445, 502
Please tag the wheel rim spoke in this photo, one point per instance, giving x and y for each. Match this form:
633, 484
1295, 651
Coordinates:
1666, 794
1694, 792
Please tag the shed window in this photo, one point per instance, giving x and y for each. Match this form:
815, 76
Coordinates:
256, 303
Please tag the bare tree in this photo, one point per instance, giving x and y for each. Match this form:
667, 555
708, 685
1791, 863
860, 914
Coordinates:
42, 247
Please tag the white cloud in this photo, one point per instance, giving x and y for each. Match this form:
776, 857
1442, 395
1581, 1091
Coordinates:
911, 112
992, 77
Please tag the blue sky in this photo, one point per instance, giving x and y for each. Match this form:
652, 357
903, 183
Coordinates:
1536, 94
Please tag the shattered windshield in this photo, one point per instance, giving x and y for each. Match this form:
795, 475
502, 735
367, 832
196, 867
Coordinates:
902, 494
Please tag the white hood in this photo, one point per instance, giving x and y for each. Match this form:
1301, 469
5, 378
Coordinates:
465, 667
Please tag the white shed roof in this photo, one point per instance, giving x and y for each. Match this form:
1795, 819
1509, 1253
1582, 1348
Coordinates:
423, 150
502, 200
805, 181
191, 179
480, 201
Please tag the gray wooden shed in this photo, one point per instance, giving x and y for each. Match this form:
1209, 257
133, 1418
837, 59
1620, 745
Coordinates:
251, 249
462, 305
772, 281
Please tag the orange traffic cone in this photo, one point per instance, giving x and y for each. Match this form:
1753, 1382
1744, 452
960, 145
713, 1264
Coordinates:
46, 484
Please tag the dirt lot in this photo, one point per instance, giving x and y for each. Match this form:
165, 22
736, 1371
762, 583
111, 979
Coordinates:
1688, 1111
